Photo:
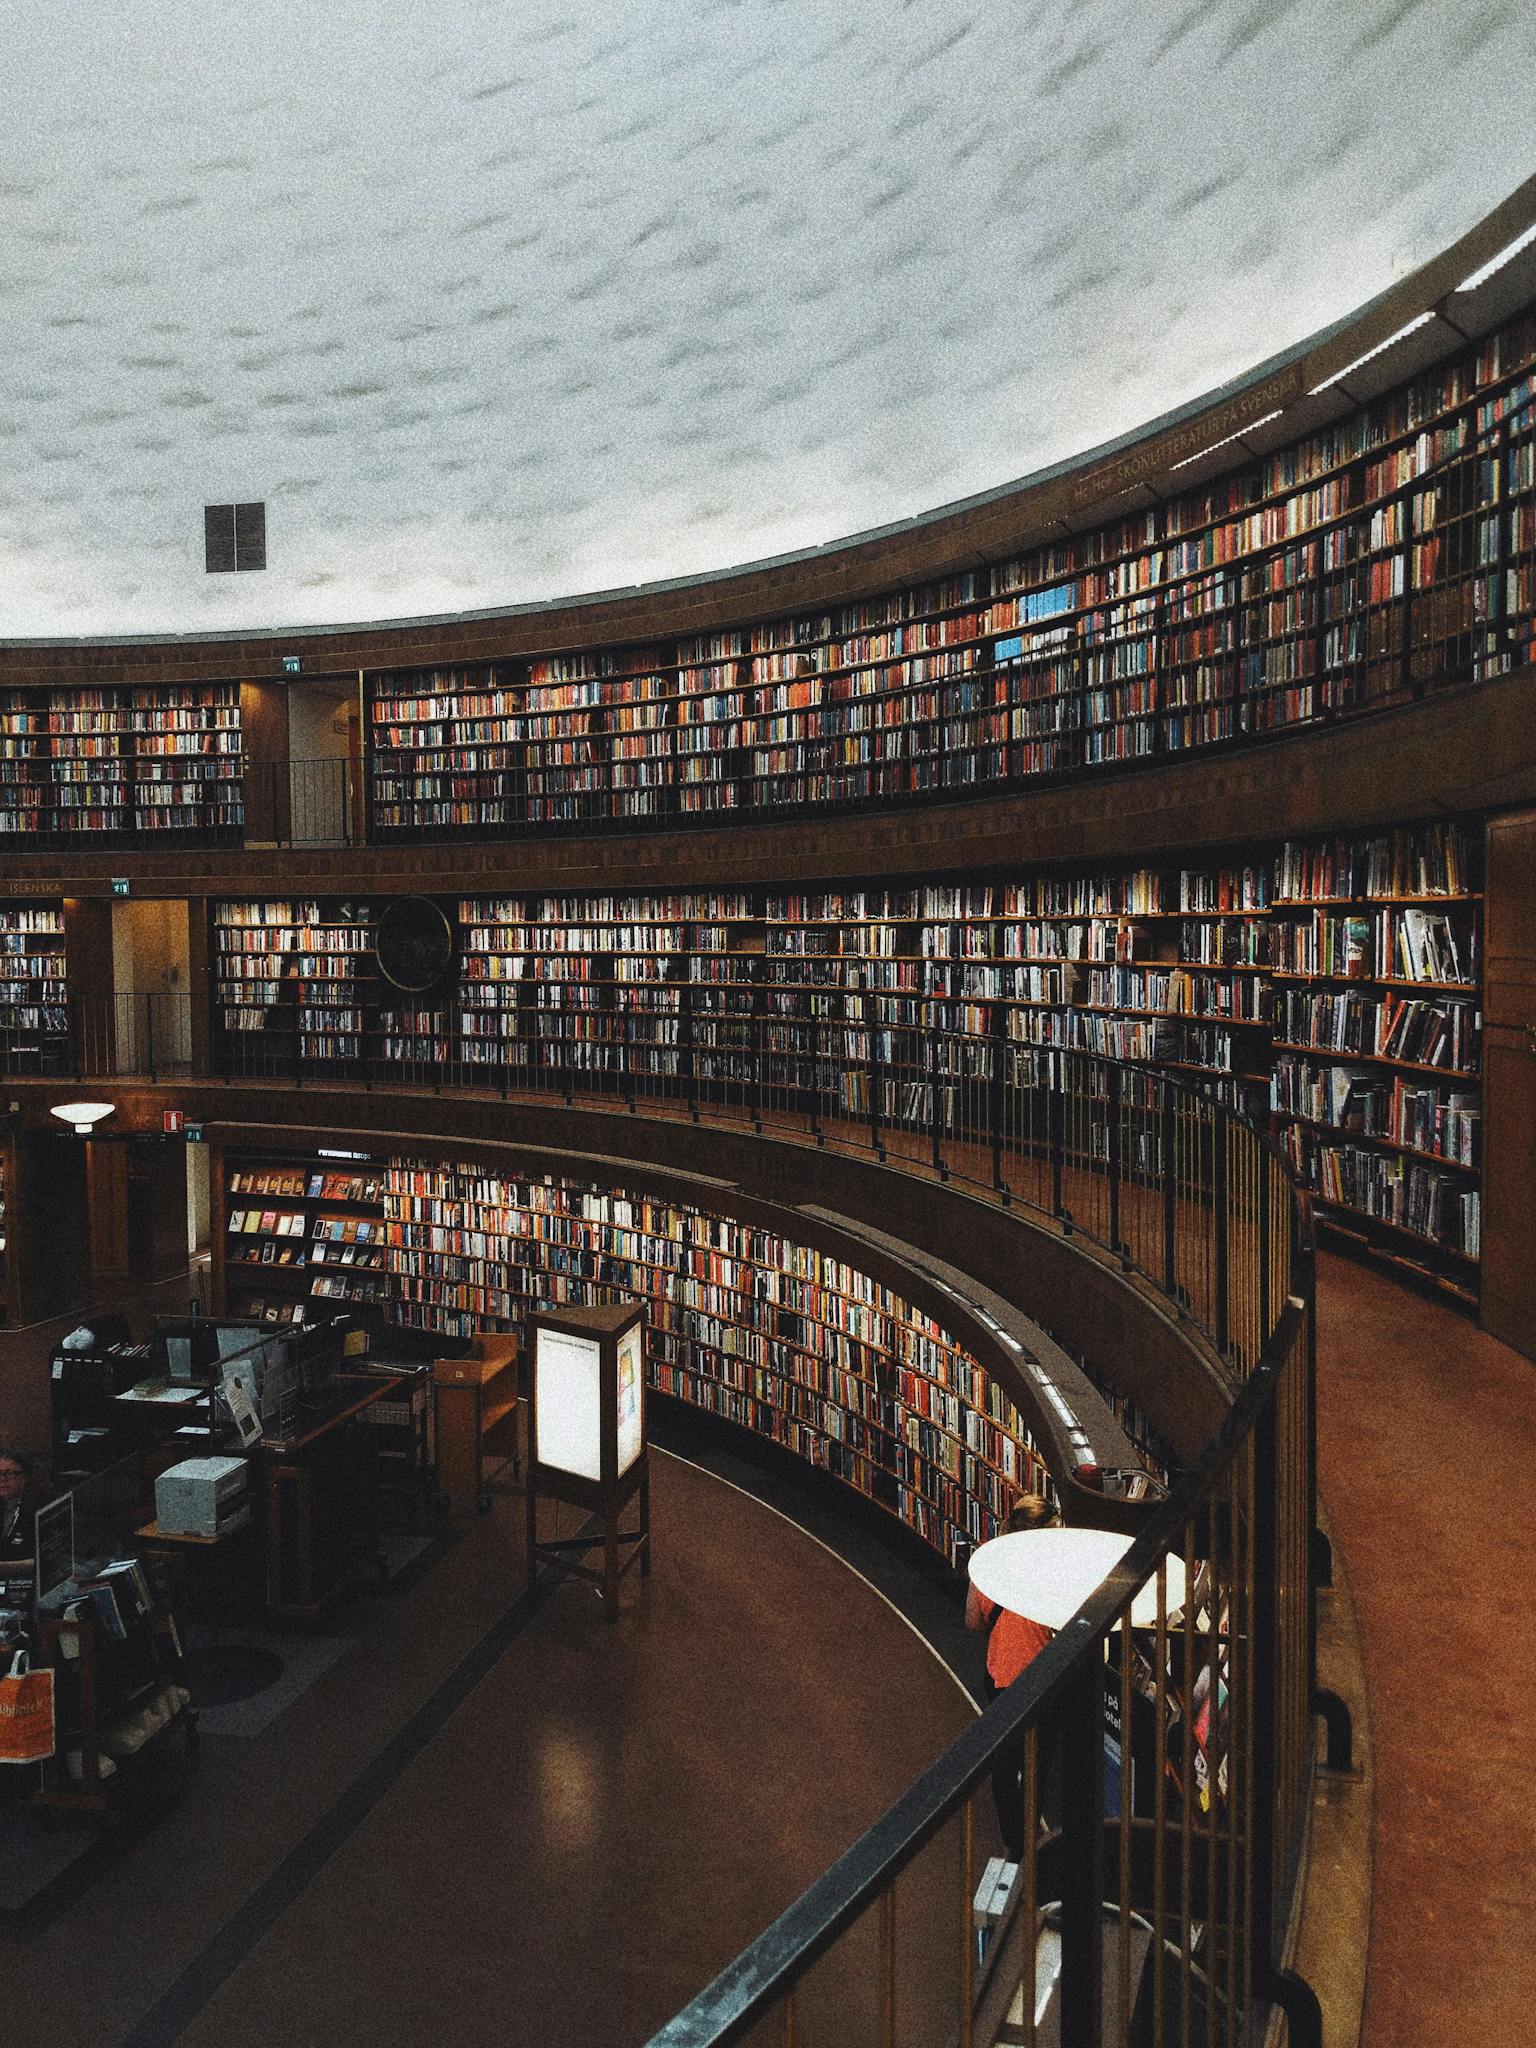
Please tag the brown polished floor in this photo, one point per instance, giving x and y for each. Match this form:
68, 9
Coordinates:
1427, 1463
580, 1841
577, 1841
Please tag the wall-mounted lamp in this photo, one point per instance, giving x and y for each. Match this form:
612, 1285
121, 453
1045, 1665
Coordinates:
82, 1116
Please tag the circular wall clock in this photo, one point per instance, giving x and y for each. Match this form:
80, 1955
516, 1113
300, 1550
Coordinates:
414, 944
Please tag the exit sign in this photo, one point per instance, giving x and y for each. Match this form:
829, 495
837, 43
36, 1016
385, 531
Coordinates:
120, 885
291, 664
194, 1134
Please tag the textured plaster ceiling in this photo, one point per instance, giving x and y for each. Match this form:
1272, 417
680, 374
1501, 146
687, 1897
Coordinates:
502, 302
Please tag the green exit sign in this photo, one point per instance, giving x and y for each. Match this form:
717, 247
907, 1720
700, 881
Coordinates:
119, 885
291, 664
193, 1133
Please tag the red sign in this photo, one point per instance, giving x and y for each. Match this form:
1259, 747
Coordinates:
174, 1119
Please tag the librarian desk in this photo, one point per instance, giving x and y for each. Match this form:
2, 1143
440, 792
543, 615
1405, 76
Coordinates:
318, 1505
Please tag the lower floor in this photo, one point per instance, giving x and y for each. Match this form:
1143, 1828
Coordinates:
479, 1817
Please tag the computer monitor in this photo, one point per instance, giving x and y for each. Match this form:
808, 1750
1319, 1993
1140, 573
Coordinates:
191, 1348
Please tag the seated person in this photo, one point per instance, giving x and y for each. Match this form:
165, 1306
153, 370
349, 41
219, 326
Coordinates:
17, 1506
1013, 1643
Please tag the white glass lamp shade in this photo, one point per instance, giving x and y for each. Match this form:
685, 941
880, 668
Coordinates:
1047, 1574
82, 1117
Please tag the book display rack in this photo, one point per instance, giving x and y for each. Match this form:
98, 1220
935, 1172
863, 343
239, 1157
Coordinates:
109, 765
34, 992
298, 1235
117, 1661
1384, 555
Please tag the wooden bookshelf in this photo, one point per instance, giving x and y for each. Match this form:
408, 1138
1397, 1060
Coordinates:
598, 732
623, 986
446, 752
1259, 978
475, 1409
770, 1334
767, 1332
114, 766
188, 769
1381, 556
291, 982
34, 989
1375, 1090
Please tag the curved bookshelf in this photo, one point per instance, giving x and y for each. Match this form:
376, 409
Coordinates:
1377, 559
922, 1012
745, 1321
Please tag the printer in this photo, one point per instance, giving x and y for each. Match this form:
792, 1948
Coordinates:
203, 1497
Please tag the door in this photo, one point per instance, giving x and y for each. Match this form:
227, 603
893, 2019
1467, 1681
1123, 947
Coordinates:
151, 976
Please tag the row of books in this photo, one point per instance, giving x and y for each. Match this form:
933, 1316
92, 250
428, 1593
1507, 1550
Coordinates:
1415, 1030
1445, 1123
267, 1222
1387, 944
1388, 1188
1419, 860
735, 1310
1271, 596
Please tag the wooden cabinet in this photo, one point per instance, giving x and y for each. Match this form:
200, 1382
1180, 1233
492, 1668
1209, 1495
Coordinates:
477, 1419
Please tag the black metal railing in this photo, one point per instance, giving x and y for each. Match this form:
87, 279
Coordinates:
297, 802
1161, 1176
1164, 1177
1165, 1766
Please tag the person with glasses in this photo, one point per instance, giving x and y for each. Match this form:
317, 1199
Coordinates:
17, 1506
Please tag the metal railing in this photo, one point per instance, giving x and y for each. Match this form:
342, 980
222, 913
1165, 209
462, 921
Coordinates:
1160, 1175
297, 802
148, 1036
1169, 1759
1165, 1767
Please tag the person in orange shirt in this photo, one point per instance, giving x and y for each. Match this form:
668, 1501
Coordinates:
1013, 1642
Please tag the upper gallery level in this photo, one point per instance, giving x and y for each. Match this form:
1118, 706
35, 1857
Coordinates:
1352, 532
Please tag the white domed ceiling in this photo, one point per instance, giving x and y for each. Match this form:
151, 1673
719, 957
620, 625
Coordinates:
498, 303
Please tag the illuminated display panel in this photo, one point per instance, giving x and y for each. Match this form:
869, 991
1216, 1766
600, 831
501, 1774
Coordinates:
569, 1410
